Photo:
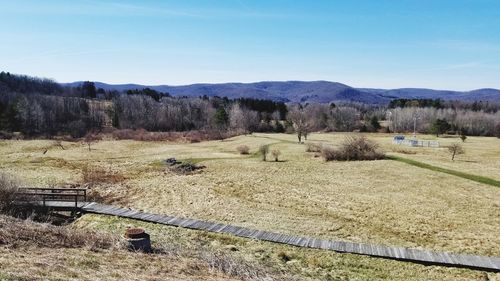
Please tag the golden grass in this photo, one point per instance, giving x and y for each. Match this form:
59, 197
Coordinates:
80, 264
383, 201
35, 251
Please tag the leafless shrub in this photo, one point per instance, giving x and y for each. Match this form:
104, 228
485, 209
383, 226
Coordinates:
353, 149
189, 136
329, 153
264, 150
6, 135
313, 147
194, 136
143, 135
26, 233
91, 138
243, 149
8, 191
124, 134
455, 149
276, 153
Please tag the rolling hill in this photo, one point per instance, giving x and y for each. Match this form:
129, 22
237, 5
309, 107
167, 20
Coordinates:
313, 91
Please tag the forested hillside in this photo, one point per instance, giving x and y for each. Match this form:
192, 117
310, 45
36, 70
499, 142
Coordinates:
310, 92
34, 107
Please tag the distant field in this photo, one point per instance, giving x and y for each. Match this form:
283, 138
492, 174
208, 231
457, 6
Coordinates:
386, 201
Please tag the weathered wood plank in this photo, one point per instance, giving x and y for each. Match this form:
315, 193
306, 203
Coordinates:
415, 255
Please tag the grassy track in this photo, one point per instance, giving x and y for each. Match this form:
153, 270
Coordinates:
471, 177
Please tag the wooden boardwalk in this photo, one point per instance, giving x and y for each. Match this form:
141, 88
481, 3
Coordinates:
396, 253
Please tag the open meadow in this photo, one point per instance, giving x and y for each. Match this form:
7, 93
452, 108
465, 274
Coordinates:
384, 201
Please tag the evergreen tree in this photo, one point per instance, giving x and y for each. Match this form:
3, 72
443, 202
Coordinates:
89, 90
375, 124
221, 117
440, 126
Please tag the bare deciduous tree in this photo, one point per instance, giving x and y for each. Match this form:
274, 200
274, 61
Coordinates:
345, 119
264, 149
299, 121
91, 138
242, 119
455, 149
276, 153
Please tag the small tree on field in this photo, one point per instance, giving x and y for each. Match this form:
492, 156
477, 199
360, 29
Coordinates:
299, 122
463, 137
264, 149
455, 149
91, 138
276, 153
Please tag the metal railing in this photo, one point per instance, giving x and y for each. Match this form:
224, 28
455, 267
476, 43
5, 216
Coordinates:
416, 143
44, 195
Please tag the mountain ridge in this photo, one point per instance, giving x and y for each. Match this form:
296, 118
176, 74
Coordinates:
307, 91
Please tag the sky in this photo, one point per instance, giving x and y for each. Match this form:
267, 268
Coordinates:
441, 44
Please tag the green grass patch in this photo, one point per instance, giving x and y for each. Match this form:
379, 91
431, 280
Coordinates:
476, 178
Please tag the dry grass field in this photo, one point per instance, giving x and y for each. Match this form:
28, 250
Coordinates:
384, 201
34, 251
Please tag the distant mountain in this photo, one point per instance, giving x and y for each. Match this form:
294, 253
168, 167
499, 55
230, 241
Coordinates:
314, 91
492, 95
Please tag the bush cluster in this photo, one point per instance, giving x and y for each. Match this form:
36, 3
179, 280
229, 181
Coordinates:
313, 147
243, 149
353, 149
264, 150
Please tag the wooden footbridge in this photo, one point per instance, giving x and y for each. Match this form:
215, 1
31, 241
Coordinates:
52, 199
75, 201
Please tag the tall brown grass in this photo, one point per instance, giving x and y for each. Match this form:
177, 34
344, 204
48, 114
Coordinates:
94, 175
8, 191
26, 233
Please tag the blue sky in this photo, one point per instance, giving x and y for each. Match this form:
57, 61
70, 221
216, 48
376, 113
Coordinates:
440, 44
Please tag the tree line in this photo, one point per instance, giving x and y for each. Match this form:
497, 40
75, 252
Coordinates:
41, 107
486, 106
